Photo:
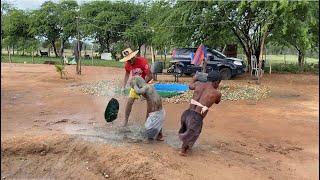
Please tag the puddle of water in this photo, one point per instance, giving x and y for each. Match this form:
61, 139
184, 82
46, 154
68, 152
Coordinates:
116, 135
172, 138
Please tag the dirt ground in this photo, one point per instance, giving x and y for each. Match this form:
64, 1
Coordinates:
52, 130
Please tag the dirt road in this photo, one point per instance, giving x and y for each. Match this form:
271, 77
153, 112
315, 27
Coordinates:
50, 129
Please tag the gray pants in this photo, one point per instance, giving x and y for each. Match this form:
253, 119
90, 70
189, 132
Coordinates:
191, 126
154, 123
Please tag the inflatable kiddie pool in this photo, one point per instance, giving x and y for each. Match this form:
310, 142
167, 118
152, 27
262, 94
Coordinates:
167, 90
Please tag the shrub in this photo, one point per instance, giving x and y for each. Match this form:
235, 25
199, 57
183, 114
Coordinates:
293, 68
60, 70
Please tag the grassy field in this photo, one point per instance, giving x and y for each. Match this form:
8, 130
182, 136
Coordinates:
41, 60
273, 59
279, 64
286, 59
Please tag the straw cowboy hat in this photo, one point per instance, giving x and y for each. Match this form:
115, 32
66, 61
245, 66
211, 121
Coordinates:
128, 54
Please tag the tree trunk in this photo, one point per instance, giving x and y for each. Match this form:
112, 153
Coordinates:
152, 55
102, 46
258, 54
49, 51
92, 57
301, 60
62, 48
108, 44
32, 57
145, 50
23, 52
80, 58
85, 49
139, 53
54, 48
13, 50
260, 57
77, 54
248, 55
9, 53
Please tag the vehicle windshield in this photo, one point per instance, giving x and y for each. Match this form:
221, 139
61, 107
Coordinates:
185, 53
217, 53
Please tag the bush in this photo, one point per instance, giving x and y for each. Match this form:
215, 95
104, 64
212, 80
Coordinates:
60, 69
293, 68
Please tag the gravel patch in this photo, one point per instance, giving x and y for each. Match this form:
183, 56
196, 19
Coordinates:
230, 91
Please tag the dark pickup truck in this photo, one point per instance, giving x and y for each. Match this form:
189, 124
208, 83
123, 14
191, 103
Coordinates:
227, 66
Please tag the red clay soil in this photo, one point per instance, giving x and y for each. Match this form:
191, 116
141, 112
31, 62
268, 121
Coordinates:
274, 138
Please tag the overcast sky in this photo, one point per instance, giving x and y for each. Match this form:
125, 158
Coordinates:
33, 4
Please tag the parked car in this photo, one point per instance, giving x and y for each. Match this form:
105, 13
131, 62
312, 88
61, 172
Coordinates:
227, 66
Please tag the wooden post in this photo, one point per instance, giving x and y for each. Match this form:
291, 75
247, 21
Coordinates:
270, 68
152, 55
79, 58
268, 61
204, 65
10, 60
165, 57
78, 49
92, 55
32, 57
260, 57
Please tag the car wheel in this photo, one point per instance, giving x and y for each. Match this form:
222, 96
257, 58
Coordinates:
225, 73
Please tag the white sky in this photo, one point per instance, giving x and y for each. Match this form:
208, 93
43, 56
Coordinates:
33, 4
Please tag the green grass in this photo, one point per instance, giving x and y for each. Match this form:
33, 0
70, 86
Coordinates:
279, 64
286, 59
28, 59
99, 62
41, 60
293, 68
289, 59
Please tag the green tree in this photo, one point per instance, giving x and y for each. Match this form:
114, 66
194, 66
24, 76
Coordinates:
5, 7
157, 18
67, 22
251, 22
107, 21
139, 33
46, 23
15, 28
299, 28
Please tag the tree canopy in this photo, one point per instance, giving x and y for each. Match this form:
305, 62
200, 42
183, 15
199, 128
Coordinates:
114, 25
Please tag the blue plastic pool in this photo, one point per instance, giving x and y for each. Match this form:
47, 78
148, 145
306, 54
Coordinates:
171, 87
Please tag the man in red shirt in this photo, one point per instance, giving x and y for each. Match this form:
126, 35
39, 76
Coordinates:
134, 66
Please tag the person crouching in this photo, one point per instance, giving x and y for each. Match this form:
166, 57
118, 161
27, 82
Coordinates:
155, 111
